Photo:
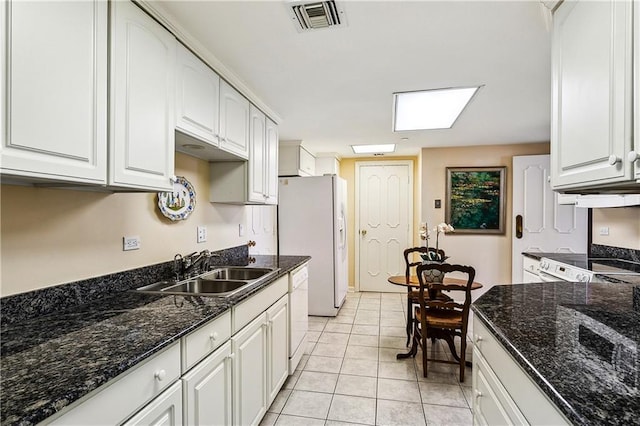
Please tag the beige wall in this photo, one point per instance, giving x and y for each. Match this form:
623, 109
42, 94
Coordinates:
489, 254
53, 236
348, 172
623, 224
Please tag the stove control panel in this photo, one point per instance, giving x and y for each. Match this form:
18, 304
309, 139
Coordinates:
564, 272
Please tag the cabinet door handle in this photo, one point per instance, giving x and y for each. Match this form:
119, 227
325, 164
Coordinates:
363, 232
214, 336
478, 394
519, 226
614, 159
478, 338
633, 156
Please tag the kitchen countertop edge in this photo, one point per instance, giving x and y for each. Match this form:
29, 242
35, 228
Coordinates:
531, 371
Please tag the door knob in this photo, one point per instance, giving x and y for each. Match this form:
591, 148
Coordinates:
363, 232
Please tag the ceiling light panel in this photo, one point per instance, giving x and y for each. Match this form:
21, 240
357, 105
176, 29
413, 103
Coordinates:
430, 109
373, 149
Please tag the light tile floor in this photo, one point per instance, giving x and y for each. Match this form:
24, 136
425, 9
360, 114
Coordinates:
350, 375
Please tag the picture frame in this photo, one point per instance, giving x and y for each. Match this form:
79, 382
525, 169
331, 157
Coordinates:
475, 199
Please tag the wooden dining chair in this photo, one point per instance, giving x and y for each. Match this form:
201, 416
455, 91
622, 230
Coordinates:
442, 319
412, 259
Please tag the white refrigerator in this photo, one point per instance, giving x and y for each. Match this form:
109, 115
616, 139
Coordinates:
312, 221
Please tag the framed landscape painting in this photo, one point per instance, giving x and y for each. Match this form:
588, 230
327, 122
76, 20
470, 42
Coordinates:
475, 199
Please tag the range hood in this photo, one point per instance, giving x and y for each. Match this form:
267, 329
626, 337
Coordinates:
607, 200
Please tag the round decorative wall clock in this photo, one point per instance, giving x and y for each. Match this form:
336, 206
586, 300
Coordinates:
179, 204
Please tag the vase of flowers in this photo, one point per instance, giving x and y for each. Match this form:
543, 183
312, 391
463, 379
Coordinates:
434, 256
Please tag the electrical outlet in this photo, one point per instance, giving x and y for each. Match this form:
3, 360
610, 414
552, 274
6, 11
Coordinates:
202, 234
130, 243
240, 230
604, 230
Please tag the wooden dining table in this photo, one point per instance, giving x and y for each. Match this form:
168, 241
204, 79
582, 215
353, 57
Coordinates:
414, 285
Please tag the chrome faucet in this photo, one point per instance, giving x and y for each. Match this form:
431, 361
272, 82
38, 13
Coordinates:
196, 263
177, 265
192, 264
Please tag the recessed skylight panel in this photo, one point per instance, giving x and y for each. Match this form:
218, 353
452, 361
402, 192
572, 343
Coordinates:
430, 109
373, 149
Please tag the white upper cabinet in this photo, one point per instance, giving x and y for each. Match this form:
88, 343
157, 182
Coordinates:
254, 181
263, 159
591, 137
234, 121
53, 82
257, 133
197, 98
142, 118
271, 163
294, 160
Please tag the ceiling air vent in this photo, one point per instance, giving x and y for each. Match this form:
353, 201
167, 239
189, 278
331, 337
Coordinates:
313, 16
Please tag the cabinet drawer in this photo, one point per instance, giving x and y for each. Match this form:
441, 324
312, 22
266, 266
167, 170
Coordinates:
530, 265
166, 409
244, 312
205, 340
531, 401
492, 405
128, 393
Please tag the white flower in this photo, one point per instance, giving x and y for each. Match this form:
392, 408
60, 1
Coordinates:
445, 227
423, 232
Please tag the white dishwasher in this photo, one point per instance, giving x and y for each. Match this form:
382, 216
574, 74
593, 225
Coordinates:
298, 314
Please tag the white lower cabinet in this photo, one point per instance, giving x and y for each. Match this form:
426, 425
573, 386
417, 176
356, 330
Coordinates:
207, 390
165, 410
503, 393
228, 377
250, 372
128, 393
278, 347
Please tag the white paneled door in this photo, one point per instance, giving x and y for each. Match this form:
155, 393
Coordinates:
540, 222
384, 211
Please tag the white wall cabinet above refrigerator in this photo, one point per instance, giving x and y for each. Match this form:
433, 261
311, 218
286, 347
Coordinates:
592, 137
295, 160
53, 79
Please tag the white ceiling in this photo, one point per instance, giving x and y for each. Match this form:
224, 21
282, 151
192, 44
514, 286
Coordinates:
333, 87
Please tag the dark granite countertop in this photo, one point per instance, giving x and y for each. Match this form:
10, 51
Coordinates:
49, 361
578, 342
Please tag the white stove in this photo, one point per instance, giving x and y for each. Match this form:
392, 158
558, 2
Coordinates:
585, 269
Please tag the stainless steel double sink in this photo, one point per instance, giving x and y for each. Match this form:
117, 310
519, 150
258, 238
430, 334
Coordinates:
221, 282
